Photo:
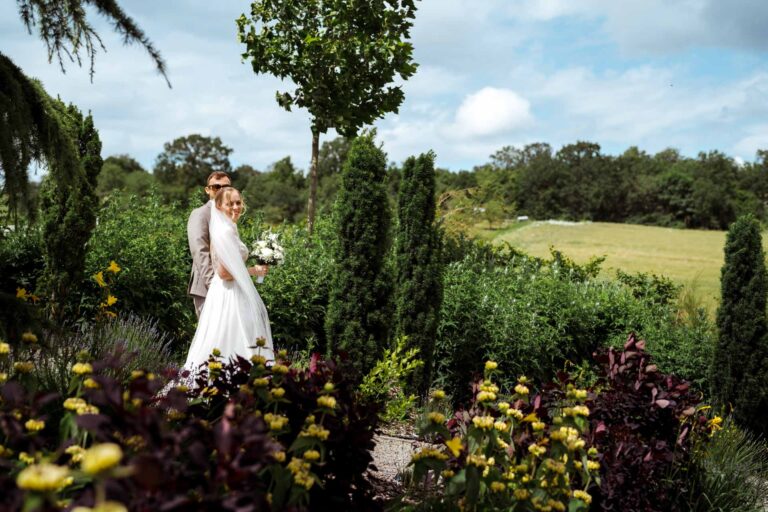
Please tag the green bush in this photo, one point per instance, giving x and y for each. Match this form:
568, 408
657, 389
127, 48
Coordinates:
21, 258
532, 316
148, 239
296, 292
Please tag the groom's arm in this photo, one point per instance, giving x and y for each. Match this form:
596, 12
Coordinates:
200, 246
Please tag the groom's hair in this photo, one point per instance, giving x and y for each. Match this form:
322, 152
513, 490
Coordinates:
217, 175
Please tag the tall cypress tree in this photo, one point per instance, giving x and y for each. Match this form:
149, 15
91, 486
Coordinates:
740, 366
69, 210
357, 319
419, 266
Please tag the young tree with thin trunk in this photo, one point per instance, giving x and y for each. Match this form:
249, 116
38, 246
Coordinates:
342, 57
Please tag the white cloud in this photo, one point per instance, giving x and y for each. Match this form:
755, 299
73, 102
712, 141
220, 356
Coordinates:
491, 111
757, 138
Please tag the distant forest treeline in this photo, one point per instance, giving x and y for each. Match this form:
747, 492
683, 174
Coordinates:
576, 182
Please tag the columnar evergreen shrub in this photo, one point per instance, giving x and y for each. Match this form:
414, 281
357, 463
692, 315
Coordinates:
419, 266
740, 363
69, 209
357, 318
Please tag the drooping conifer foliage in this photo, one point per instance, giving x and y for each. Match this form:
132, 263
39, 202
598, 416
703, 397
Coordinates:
740, 367
419, 267
69, 208
357, 317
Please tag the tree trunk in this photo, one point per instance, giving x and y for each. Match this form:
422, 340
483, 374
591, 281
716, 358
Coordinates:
313, 183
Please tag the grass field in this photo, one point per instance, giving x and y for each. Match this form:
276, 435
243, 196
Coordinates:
692, 258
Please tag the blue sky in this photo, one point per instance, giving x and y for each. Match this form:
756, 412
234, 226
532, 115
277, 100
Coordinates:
689, 74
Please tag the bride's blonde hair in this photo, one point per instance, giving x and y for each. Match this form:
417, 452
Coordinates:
223, 196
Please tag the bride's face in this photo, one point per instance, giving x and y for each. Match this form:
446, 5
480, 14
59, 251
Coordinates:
233, 206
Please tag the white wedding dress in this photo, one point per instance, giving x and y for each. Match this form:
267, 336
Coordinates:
233, 316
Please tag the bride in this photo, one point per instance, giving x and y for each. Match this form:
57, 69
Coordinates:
233, 317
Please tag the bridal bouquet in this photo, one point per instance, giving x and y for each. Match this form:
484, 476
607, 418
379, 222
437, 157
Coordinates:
267, 251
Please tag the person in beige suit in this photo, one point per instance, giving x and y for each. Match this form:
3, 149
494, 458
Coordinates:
200, 241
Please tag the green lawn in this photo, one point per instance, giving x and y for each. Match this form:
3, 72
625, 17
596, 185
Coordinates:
689, 257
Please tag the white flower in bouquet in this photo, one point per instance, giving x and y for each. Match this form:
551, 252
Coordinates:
268, 251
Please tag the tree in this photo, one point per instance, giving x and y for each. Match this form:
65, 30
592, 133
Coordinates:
419, 265
740, 365
69, 214
28, 130
185, 164
357, 317
342, 57
122, 172
279, 192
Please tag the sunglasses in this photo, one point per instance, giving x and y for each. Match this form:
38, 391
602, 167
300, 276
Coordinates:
217, 187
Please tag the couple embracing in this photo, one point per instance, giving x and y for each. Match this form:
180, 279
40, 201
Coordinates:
231, 315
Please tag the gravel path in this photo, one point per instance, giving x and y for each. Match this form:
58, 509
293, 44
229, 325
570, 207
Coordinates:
392, 455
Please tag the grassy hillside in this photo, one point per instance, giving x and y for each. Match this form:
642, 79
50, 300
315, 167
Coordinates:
689, 257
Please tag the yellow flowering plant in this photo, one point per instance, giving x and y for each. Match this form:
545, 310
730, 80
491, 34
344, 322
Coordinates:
507, 452
104, 279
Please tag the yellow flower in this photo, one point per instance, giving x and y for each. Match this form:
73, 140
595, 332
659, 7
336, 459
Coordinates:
315, 431
716, 423
26, 458
593, 465
520, 389
326, 401
34, 425
43, 477
99, 277
111, 299
498, 487
483, 422
5, 452
4, 348
82, 368
260, 382
113, 267
447, 473
29, 337
76, 452
91, 384
311, 455
258, 360
491, 365
21, 293
486, 396
279, 456
275, 421
538, 426
501, 426
522, 494
106, 506
74, 404
101, 457
537, 450
24, 366
438, 394
429, 453
280, 369
3, 377
282, 353
583, 496
436, 417
261, 342
328, 387
454, 445
87, 409
515, 413
280, 392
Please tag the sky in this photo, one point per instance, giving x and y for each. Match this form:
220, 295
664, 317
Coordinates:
687, 74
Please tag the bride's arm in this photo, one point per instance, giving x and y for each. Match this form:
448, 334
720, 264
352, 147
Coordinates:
220, 269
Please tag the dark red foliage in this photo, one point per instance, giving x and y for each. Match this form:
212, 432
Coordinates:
641, 422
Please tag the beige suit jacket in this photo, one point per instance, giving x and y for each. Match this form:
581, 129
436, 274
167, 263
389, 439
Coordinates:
200, 247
